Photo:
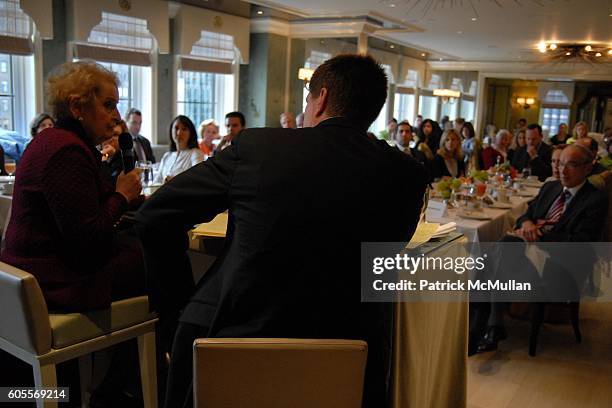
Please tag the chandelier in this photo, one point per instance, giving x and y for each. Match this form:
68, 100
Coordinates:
434, 6
566, 52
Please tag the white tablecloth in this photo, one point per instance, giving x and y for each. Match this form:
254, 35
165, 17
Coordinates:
493, 229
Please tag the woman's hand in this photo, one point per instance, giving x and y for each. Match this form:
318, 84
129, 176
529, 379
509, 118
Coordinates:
107, 151
128, 185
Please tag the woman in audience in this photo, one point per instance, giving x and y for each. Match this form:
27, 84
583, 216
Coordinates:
519, 140
425, 137
184, 152
40, 123
470, 147
64, 211
498, 151
209, 131
561, 136
449, 159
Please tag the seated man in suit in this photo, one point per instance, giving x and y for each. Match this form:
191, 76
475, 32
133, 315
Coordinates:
565, 210
535, 154
300, 203
403, 137
142, 146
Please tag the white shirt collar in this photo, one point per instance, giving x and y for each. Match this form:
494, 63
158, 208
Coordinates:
574, 190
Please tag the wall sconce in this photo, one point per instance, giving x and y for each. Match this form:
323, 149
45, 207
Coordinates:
305, 74
447, 95
525, 102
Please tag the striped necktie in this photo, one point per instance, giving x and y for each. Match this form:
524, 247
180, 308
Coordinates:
556, 209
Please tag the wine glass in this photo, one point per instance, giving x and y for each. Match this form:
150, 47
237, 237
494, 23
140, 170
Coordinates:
10, 166
146, 176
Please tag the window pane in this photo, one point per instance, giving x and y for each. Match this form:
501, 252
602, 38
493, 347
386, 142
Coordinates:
428, 107
6, 112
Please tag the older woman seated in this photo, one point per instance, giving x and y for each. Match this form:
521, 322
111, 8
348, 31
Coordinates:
498, 150
62, 226
184, 151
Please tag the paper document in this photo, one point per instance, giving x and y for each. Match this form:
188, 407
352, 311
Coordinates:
216, 228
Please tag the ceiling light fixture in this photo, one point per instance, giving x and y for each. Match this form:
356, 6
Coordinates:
474, 19
305, 74
423, 54
260, 12
564, 52
391, 46
447, 95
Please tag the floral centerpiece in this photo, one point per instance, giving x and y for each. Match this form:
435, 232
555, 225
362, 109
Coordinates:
447, 185
505, 169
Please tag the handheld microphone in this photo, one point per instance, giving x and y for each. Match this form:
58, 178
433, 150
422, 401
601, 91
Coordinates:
126, 145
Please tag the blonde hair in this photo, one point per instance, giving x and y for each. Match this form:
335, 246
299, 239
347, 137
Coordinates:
457, 154
500, 134
205, 124
581, 123
82, 79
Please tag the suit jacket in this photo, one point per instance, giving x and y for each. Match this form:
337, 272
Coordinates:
300, 201
439, 167
146, 146
540, 166
582, 220
62, 222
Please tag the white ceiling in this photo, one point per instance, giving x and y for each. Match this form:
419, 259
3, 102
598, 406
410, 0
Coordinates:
507, 33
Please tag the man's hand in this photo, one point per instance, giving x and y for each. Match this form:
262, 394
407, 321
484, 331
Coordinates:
532, 152
529, 231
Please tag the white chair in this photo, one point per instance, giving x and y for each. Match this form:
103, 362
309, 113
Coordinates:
277, 373
30, 333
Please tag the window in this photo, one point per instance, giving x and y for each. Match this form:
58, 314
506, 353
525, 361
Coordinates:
316, 58
467, 110
207, 91
3, 67
380, 123
17, 106
428, 107
550, 118
205, 95
404, 107
450, 109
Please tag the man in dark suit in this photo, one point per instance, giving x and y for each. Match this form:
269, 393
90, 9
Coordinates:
300, 202
565, 210
403, 137
535, 154
142, 146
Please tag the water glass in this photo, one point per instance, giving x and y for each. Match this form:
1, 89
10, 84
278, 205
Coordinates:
146, 175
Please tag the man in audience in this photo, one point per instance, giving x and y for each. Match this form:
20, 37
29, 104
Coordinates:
593, 146
326, 187
535, 154
287, 120
402, 142
142, 146
458, 125
418, 122
299, 120
234, 123
567, 210
521, 125
392, 128
554, 162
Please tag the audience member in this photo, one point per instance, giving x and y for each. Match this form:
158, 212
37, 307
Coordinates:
422, 139
567, 210
554, 162
534, 155
112, 163
430, 133
449, 158
521, 125
234, 123
458, 125
392, 128
418, 122
287, 121
142, 146
209, 132
490, 131
445, 123
184, 151
518, 141
40, 123
282, 189
561, 136
403, 139
591, 144
470, 147
299, 120
498, 150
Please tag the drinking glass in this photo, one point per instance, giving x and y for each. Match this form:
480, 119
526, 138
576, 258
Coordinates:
146, 176
526, 172
10, 166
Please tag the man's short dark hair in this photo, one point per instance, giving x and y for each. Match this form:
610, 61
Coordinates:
404, 123
238, 115
356, 86
535, 126
522, 120
132, 111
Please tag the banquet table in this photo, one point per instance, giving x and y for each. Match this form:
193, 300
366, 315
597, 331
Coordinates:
501, 220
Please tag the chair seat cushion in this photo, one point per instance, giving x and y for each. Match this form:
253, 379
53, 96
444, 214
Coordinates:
72, 328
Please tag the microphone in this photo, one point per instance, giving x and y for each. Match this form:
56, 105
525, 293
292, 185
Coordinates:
126, 145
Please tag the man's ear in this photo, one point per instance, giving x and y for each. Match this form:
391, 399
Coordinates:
321, 104
75, 106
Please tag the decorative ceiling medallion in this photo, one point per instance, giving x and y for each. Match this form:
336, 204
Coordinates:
125, 5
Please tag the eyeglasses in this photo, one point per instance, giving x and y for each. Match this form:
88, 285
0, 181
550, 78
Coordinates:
572, 164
